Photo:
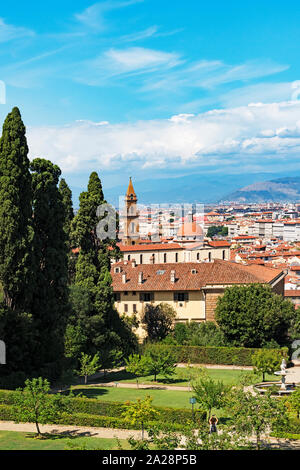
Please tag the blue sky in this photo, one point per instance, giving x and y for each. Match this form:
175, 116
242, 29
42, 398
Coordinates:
154, 87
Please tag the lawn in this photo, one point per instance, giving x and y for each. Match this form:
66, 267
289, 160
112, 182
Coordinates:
12, 440
228, 376
166, 398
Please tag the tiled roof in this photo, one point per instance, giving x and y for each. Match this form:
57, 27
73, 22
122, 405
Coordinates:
157, 277
292, 293
219, 243
150, 247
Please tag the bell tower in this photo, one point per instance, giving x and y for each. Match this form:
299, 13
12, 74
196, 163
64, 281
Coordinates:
131, 217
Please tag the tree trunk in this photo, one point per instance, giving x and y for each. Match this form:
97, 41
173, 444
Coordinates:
137, 383
263, 376
38, 428
142, 431
85, 379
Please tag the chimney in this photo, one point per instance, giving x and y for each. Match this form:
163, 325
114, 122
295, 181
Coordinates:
124, 278
140, 277
172, 277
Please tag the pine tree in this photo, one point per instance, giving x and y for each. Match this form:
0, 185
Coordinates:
50, 304
15, 213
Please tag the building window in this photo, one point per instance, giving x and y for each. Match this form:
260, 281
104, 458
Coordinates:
176, 257
141, 259
209, 256
223, 254
125, 308
128, 257
125, 292
134, 308
133, 293
165, 257
181, 296
117, 296
146, 296
198, 256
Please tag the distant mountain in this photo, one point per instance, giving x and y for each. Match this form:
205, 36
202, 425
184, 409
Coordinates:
280, 190
195, 188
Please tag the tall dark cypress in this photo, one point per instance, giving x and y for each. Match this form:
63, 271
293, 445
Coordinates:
15, 213
50, 303
102, 326
66, 194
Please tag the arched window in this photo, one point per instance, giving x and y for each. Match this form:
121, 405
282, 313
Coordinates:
209, 256
141, 259
165, 257
223, 254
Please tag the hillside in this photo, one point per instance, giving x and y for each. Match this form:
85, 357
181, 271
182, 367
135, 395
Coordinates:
280, 190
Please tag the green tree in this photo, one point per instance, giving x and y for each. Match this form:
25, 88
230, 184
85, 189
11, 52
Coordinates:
158, 320
137, 365
15, 214
66, 195
34, 404
50, 304
100, 323
252, 315
293, 401
88, 366
139, 412
254, 414
266, 361
160, 362
210, 394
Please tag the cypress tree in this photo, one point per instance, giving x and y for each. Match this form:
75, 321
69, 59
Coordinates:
50, 303
15, 213
66, 194
102, 326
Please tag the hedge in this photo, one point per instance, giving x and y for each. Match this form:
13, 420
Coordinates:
94, 407
210, 354
85, 419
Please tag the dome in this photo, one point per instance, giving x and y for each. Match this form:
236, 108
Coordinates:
190, 229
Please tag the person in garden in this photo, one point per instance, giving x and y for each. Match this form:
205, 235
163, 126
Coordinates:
213, 424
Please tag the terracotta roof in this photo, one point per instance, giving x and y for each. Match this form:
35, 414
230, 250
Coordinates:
150, 247
190, 229
157, 277
217, 243
292, 293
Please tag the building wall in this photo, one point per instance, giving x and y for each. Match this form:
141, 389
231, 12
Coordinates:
183, 256
191, 310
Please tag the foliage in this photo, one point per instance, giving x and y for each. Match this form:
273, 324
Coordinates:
139, 412
196, 334
266, 361
160, 362
137, 365
158, 320
254, 414
209, 354
210, 393
50, 304
88, 366
293, 401
34, 404
15, 214
252, 315
214, 230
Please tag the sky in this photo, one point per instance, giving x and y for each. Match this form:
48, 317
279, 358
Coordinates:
153, 89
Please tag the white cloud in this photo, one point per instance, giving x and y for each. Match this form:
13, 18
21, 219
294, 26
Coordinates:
93, 17
9, 32
257, 135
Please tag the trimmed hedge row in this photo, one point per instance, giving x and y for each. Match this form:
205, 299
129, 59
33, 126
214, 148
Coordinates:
210, 354
84, 419
94, 407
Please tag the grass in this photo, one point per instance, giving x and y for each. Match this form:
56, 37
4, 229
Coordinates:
228, 376
14, 440
166, 398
